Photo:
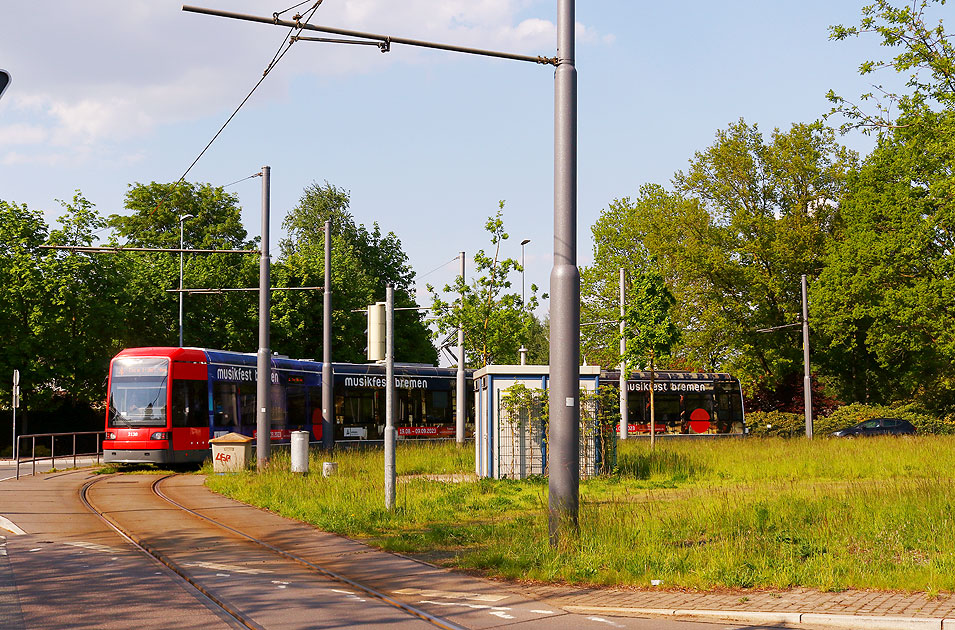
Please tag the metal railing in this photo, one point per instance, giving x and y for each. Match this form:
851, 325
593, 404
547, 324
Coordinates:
52, 456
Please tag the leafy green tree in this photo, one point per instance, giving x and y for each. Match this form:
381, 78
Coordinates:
22, 231
885, 302
743, 223
649, 331
618, 244
364, 262
82, 316
227, 320
496, 322
925, 55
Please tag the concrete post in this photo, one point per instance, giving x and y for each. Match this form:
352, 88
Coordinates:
390, 438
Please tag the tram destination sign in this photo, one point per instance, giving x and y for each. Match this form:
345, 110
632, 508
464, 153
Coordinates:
669, 386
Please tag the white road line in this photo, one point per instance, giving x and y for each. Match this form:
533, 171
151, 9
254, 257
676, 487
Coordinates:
10, 526
450, 594
215, 566
602, 620
93, 547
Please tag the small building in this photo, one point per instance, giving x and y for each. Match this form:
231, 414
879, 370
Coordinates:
510, 437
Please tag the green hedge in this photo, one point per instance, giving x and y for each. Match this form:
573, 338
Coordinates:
782, 424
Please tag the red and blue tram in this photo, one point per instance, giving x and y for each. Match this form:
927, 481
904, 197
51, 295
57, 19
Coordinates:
685, 403
164, 404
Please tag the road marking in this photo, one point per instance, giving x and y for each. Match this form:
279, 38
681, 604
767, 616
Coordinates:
450, 594
497, 611
37, 549
10, 526
215, 566
543, 612
349, 593
602, 620
93, 547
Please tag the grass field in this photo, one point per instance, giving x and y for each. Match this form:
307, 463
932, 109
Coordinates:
830, 514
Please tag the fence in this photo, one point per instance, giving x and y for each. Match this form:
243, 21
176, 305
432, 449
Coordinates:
36, 451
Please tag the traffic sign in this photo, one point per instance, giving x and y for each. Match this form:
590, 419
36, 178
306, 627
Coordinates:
16, 377
4, 80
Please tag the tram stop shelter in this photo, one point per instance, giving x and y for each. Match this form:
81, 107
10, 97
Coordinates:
510, 437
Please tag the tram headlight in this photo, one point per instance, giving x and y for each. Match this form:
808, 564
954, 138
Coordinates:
110, 435
159, 435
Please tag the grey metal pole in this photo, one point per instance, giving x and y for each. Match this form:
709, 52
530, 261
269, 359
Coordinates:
389, 398
806, 379
328, 378
263, 400
523, 243
564, 452
460, 394
624, 407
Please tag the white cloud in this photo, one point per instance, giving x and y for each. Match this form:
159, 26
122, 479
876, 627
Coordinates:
104, 72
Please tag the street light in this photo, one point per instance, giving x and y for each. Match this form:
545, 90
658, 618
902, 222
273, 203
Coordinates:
523, 243
182, 219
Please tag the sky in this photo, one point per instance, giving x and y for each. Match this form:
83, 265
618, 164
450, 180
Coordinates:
108, 93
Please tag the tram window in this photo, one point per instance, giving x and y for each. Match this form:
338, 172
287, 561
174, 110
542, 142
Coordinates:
223, 402
315, 404
440, 407
295, 401
189, 404
278, 406
694, 402
247, 397
667, 408
638, 408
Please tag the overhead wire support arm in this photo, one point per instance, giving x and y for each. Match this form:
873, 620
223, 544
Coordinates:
165, 250
385, 40
779, 327
198, 291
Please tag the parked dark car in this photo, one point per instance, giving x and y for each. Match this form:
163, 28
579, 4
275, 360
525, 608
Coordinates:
878, 426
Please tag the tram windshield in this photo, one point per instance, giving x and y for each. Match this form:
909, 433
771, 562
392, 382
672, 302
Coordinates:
137, 393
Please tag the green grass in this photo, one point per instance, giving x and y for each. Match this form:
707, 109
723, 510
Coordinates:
830, 514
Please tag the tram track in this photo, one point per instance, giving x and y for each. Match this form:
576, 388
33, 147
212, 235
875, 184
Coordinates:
210, 598
208, 593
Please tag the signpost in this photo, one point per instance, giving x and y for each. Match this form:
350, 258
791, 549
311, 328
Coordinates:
16, 403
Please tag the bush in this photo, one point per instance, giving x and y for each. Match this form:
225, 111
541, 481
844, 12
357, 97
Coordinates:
775, 423
924, 422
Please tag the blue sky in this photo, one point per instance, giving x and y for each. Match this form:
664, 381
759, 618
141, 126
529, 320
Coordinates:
106, 93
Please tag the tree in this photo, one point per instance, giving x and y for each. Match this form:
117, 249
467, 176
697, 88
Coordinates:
926, 55
22, 231
82, 317
226, 321
743, 223
618, 244
649, 331
496, 323
364, 262
885, 302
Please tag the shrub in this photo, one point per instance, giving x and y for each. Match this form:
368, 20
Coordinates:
775, 423
923, 421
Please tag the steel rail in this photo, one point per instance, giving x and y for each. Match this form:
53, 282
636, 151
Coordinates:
371, 592
168, 564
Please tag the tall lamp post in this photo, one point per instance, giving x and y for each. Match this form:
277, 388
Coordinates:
182, 220
523, 243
